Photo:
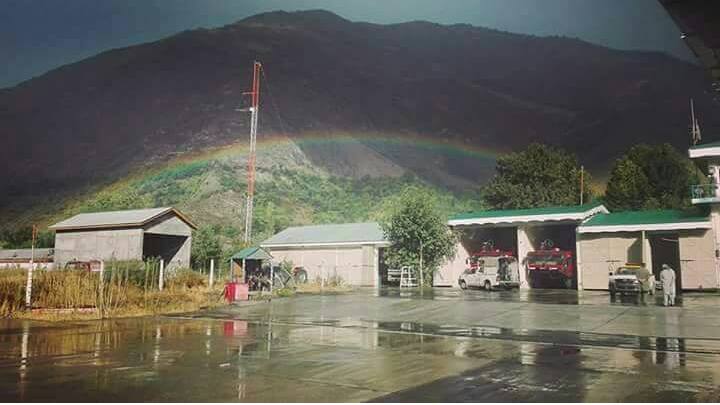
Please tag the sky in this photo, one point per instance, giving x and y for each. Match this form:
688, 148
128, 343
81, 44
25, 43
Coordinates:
39, 35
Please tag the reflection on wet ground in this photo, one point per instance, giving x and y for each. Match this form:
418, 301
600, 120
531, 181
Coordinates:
538, 296
280, 351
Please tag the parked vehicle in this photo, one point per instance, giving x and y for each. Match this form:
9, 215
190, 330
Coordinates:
90, 265
551, 264
490, 268
631, 279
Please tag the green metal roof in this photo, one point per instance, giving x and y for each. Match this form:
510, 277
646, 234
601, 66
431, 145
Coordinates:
647, 218
252, 253
706, 145
345, 234
577, 209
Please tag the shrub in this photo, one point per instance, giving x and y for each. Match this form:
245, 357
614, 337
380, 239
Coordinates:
186, 278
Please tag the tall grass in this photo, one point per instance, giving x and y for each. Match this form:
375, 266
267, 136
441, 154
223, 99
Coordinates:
125, 287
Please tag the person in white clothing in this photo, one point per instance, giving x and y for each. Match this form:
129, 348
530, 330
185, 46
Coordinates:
667, 278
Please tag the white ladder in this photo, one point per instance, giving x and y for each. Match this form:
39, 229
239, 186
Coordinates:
407, 277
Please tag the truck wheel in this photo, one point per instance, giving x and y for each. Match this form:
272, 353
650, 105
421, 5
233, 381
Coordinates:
488, 286
463, 285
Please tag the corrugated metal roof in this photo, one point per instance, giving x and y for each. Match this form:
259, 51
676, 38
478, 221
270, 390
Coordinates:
252, 253
114, 219
345, 234
25, 254
652, 220
577, 213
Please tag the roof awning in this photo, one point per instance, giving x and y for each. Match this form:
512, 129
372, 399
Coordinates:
252, 253
523, 216
648, 221
705, 150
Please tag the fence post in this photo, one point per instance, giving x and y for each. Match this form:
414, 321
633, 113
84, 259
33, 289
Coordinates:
101, 285
28, 286
161, 280
212, 272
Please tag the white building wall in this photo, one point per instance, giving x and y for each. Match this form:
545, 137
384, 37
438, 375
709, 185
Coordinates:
354, 265
448, 274
697, 260
26, 265
118, 244
599, 251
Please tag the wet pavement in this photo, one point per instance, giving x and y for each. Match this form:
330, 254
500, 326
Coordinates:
445, 345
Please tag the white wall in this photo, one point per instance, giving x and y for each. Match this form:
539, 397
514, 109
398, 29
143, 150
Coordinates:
596, 250
118, 244
355, 265
26, 265
697, 260
697, 257
448, 274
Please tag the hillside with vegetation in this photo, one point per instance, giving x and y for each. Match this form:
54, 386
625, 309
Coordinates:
90, 124
211, 189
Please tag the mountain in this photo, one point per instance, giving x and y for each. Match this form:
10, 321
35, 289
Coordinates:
356, 99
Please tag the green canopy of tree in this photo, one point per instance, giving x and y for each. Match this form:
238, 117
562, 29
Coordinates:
21, 238
539, 176
205, 246
413, 224
651, 177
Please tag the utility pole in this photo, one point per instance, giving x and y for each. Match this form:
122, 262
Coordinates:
582, 183
422, 276
254, 108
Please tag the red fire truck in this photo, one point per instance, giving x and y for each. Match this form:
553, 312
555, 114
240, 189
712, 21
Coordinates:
550, 264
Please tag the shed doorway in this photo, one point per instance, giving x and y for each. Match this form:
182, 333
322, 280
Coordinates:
665, 249
165, 247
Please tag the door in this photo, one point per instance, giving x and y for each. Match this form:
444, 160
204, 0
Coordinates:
665, 249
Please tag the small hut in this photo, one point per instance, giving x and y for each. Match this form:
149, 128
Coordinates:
248, 262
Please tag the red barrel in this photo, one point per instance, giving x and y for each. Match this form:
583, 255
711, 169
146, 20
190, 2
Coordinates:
230, 291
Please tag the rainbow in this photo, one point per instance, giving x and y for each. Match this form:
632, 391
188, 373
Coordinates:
441, 145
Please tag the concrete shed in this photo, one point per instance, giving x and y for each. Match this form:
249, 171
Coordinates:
352, 252
683, 239
125, 235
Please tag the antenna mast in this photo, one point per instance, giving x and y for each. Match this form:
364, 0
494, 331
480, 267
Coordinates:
694, 125
255, 105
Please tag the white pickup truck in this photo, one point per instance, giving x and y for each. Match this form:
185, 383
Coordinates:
631, 280
490, 272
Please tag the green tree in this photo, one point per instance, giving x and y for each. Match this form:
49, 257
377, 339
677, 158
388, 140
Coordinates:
205, 246
628, 187
651, 177
413, 224
539, 176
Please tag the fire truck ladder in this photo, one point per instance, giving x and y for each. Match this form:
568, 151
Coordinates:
407, 277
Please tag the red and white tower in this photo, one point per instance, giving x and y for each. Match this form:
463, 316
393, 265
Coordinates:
254, 109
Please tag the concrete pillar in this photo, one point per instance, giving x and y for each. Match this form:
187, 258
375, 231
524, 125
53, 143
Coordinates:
646, 251
715, 219
161, 281
524, 245
578, 261
376, 267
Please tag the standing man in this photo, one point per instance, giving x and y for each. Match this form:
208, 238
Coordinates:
667, 278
